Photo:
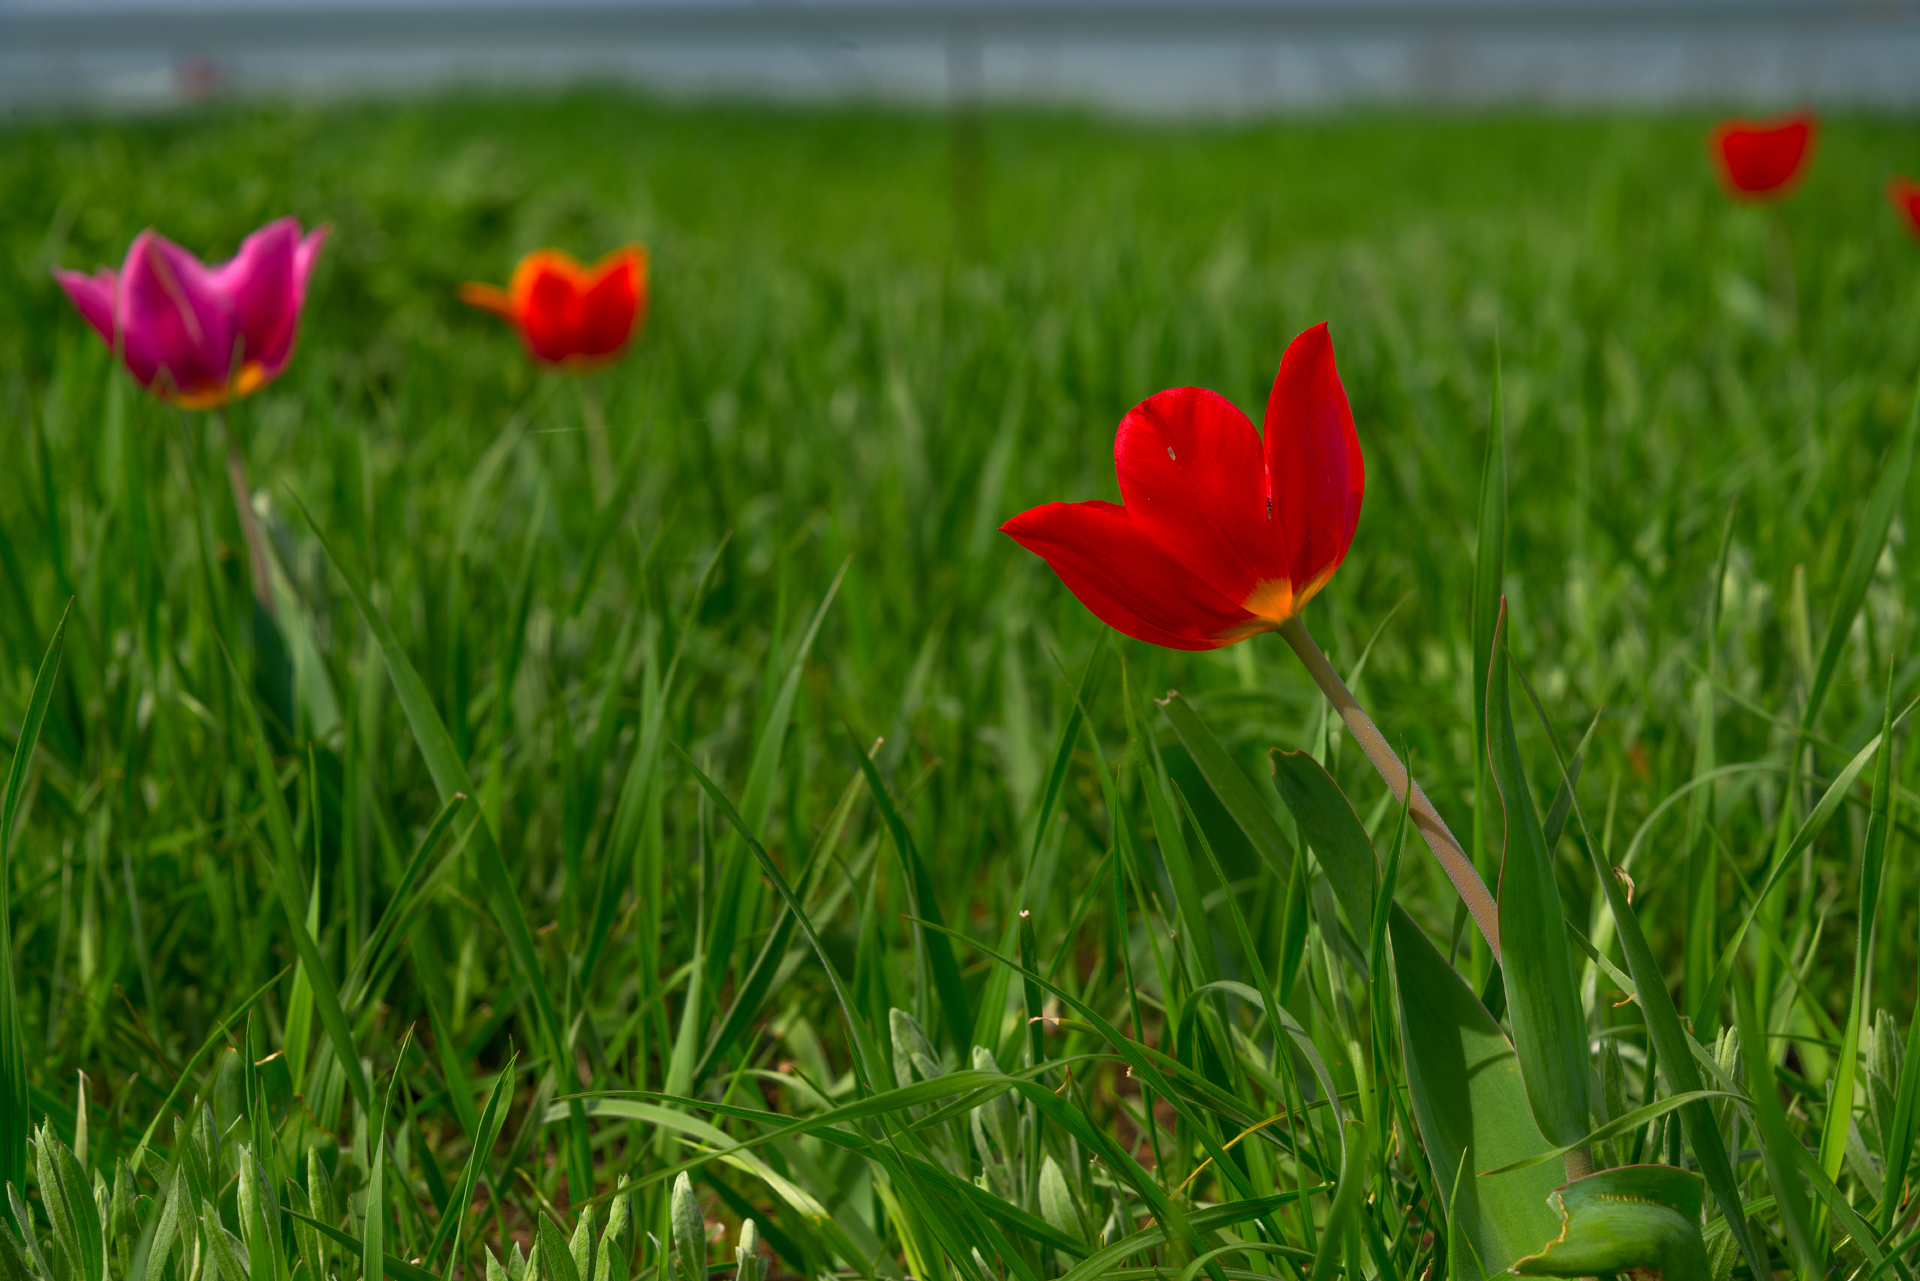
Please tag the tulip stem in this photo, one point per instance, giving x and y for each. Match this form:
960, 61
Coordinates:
599, 452
1453, 859
249, 527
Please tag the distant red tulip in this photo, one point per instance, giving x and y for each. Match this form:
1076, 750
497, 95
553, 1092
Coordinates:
1761, 159
1904, 193
569, 315
196, 335
1220, 535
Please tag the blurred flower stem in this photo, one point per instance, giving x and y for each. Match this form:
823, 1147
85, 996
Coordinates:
243, 505
599, 451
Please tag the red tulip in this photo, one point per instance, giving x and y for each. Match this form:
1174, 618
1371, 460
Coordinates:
1904, 192
197, 335
1759, 160
569, 315
1220, 535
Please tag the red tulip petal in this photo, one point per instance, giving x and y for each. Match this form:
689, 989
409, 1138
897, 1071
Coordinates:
487, 298
1127, 580
1904, 193
1762, 158
1195, 485
546, 318
93, 296
607, 308
1313, 458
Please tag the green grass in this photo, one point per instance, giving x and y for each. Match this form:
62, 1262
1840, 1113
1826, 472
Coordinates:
863, 355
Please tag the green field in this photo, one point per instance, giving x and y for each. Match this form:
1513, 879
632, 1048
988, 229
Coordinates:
869, 345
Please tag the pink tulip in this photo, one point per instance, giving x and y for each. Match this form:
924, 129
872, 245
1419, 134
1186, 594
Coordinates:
196, 335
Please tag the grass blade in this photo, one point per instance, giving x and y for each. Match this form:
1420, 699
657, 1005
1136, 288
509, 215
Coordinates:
1839, 1119
450, 777
1489, 579
865, 1057
1670, 1040
1549, 1026
284, 870
1889, 493
946, 971
1230, 783
16, 1119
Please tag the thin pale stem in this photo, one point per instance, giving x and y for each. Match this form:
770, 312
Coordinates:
1453, 860
599, 450
1578, 1163
249, 527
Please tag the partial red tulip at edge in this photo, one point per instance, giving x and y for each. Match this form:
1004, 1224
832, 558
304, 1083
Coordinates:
1903, 193
568, 315
200, 335
1222, 534
1762, 159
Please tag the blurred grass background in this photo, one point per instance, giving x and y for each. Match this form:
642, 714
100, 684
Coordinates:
876, 334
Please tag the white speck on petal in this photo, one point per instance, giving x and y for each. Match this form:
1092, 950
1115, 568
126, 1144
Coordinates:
1170, 453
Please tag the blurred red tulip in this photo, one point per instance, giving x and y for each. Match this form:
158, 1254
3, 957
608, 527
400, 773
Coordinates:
197, 335
569, 315
1220, 535
1904, 193
1761, 159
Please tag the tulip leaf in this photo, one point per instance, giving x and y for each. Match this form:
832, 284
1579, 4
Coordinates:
1328, 824
1470, 1102
1230, 783
1549, 1026
1638, 1218
1462, 1073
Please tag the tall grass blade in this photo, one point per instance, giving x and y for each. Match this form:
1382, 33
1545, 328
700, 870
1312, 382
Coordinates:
1549, 1025
1671, 1041
1230, 783
865, 1057
1839, 1118
1489, 578
450, 777
1897, 1145
1889, 494
284, 870
946, 971
16, 1120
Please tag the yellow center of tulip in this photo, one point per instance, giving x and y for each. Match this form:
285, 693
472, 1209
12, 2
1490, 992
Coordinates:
251, 378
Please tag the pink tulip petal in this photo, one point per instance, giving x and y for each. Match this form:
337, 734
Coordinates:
259, 282
304, 258
93, 296
177, 328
